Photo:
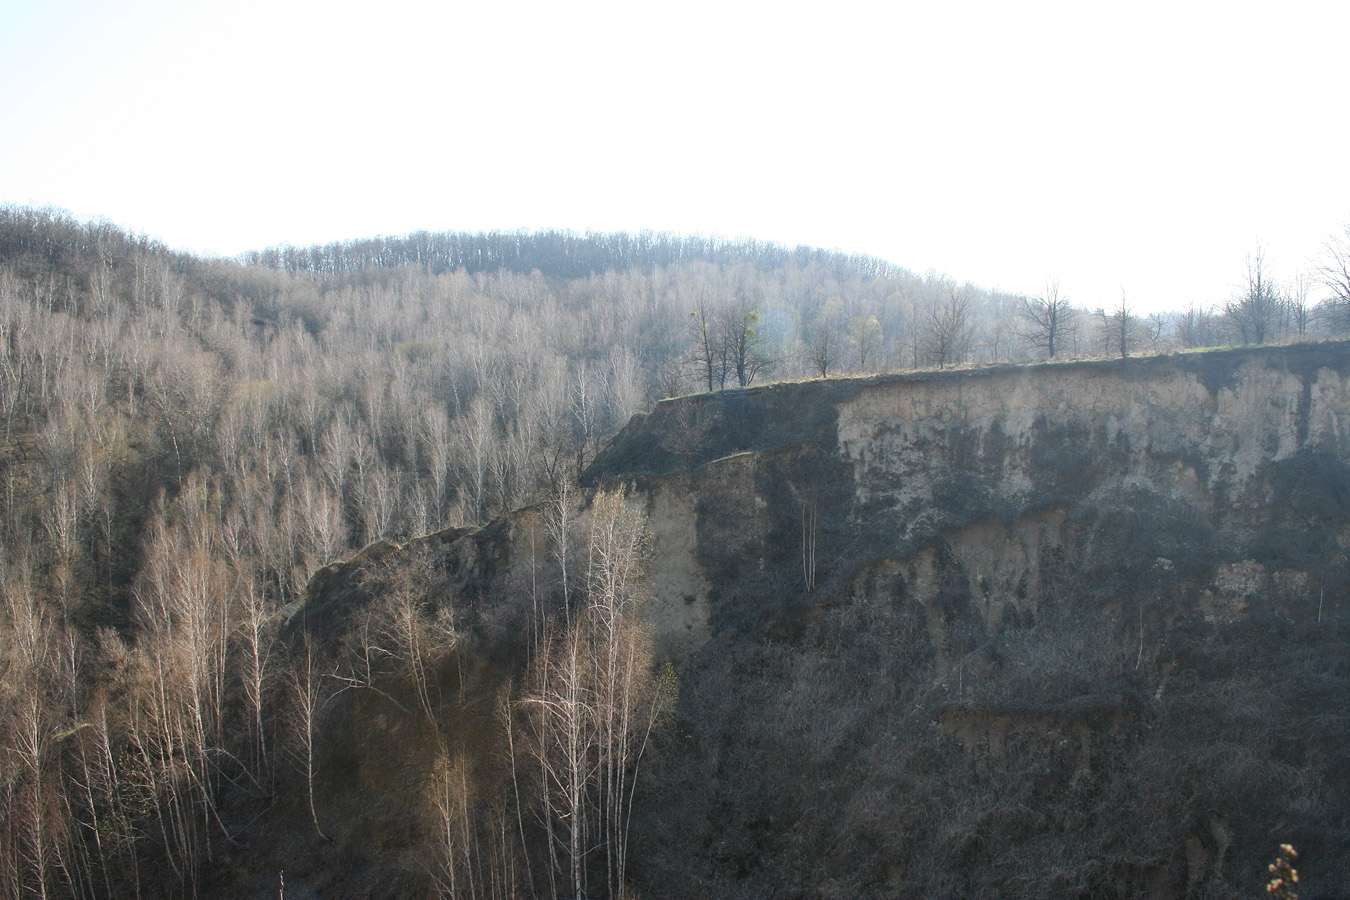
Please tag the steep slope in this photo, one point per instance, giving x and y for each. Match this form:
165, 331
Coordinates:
1066, 630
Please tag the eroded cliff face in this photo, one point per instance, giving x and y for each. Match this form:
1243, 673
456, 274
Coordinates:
1160, 474
1066, 630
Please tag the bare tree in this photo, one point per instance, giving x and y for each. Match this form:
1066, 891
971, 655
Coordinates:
36, 827
588, 389
822, 348
1194, 326
16, 324
412, 634
590, 705
670, 379
1297, 306
687, 434
559, 517
321, 529
1253, 311
1048, 319
450, 788
254, 636
625, 383
381, 505
743, 346
865, 334
1121, 322
437, 453
307, 696
338, 451
1154, 325
560, 738
475, 437
706, 355
1334, 274
810, 538
947, 328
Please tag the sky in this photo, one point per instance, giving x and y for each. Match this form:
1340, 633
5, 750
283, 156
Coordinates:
1144, 148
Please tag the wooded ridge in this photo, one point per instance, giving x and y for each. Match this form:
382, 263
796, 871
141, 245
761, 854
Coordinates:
267, 602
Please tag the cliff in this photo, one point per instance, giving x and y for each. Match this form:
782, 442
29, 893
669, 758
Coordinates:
1063, 630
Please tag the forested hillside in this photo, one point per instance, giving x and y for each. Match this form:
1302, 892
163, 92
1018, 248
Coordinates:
186, 441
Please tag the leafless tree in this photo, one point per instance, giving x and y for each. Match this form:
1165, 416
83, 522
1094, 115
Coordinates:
1254, 310
1048, 319
947, 328
437, 452
452, 866
588, 389
321, 530
1122, 322
810, 540
743, 345
559, 517
706, 356
1194, 326
1297, 305
35, 683
865, 335
687, 434
255, 634
590, 705
1153, 327
338, 452
414, 636
307, 694
822, 348
1334, 273
626, 392
671, 379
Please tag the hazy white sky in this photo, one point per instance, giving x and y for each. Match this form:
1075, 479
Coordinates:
1145, 146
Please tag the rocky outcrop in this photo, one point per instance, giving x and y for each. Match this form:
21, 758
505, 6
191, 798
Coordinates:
1016, 631
1127, 475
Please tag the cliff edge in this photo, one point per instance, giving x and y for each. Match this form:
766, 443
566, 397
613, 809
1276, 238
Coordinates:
1063, 630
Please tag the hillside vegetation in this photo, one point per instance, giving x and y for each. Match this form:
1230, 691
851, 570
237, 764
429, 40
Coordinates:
188, 443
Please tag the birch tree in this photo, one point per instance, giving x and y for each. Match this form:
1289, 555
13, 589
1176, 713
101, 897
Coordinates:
590, 705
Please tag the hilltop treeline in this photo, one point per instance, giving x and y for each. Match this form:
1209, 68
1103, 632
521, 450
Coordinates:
556, 254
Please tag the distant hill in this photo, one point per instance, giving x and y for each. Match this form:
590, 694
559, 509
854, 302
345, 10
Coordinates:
556, 254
